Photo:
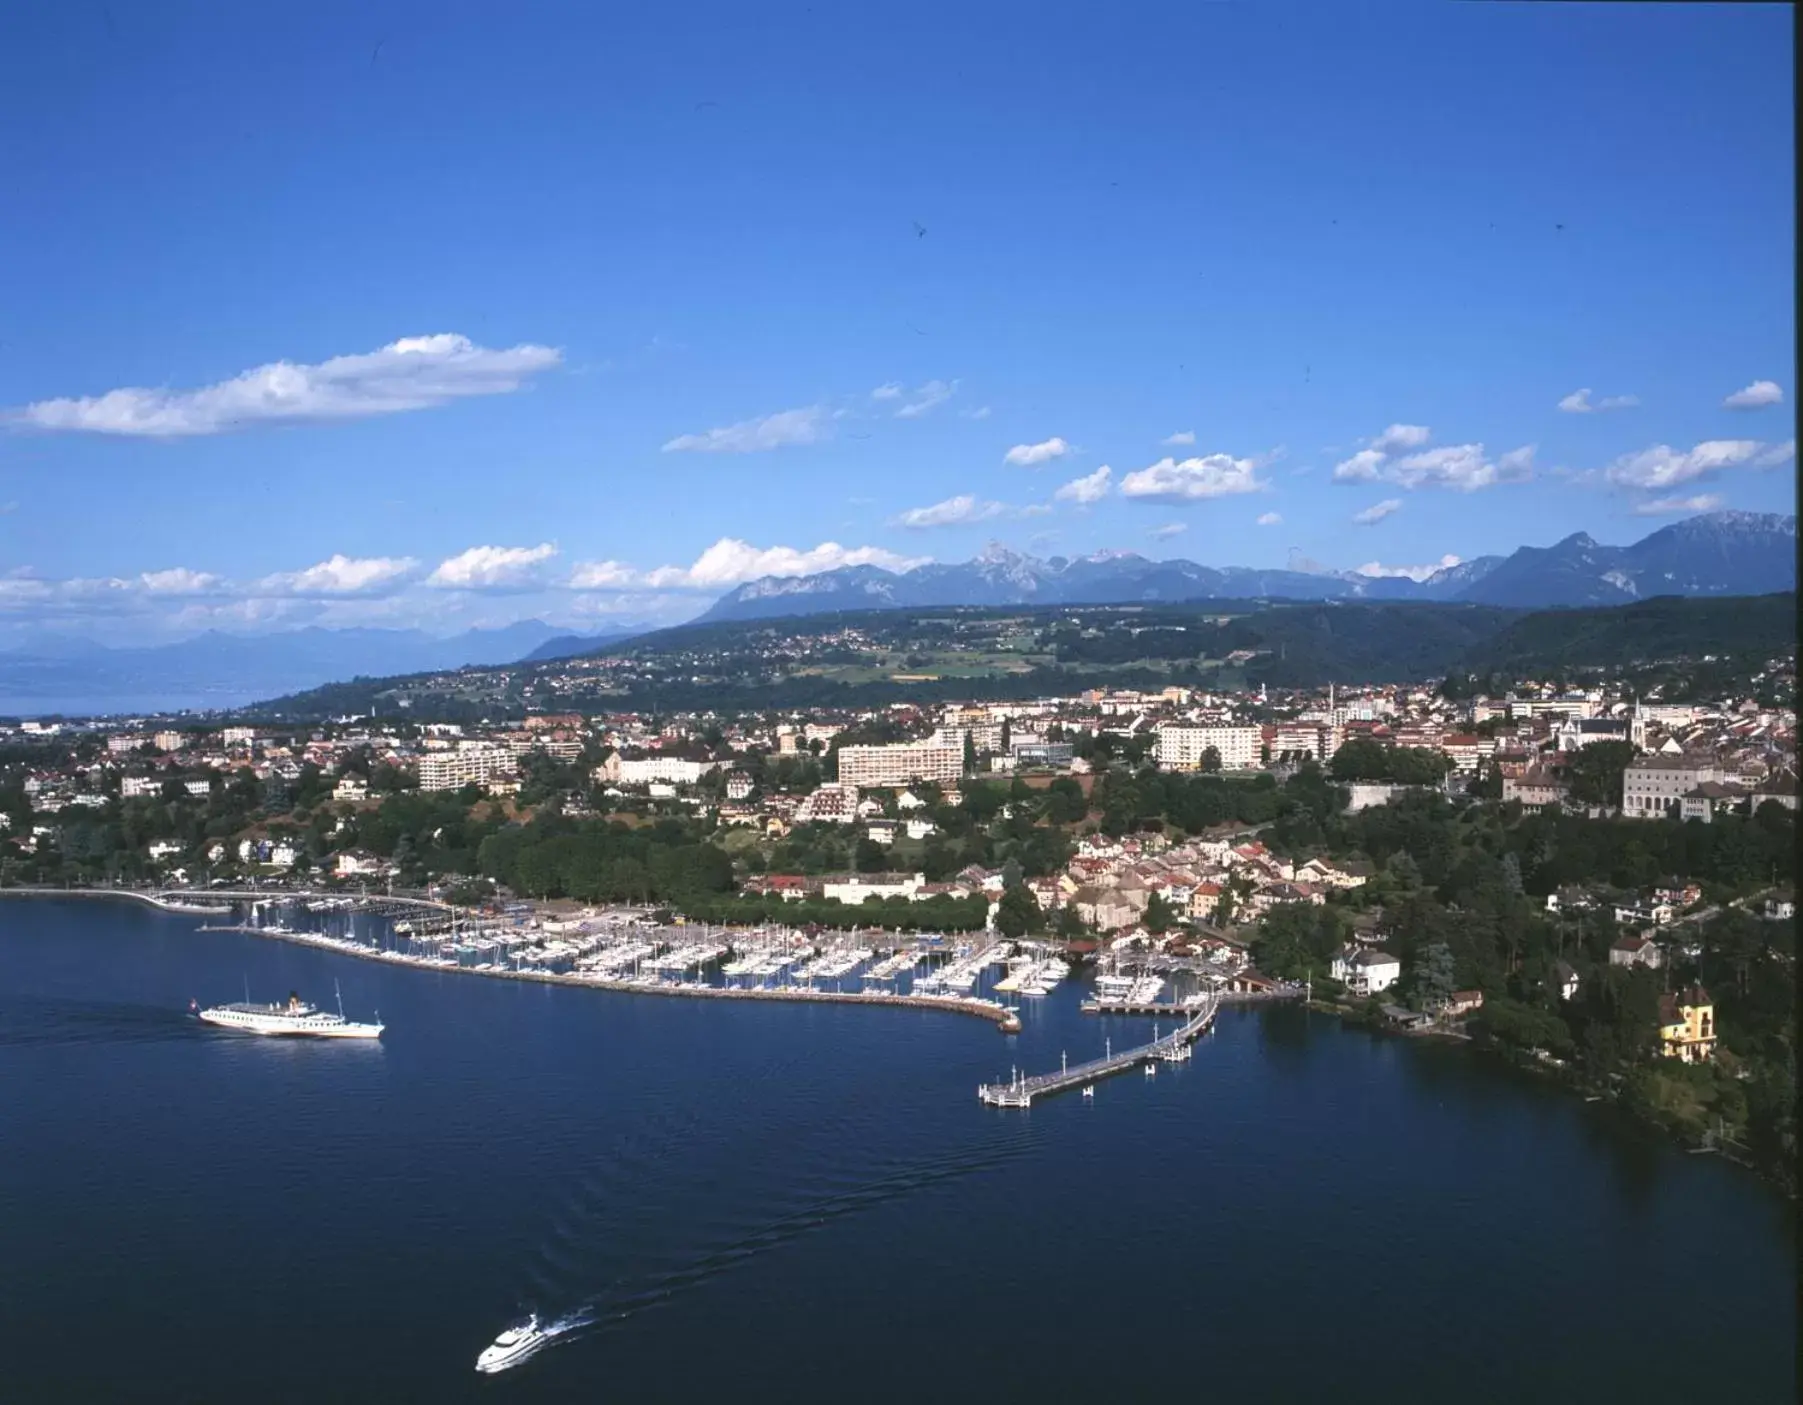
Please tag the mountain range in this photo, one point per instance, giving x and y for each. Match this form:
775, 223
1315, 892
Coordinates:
1718, 553
59, 674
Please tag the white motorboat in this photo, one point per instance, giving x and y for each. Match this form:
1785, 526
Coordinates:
513, 1346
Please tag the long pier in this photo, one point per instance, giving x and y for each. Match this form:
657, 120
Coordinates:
1105, 1006
1020, 1092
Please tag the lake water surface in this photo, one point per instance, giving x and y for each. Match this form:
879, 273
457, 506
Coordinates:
808, 1203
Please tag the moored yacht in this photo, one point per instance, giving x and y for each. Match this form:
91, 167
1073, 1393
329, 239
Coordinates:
513, 1346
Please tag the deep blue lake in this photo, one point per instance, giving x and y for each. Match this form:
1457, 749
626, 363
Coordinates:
809, 1204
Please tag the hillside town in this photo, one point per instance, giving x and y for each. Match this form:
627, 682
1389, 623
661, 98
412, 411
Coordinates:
890, 780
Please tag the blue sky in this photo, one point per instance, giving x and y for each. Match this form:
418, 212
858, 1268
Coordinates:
589, 312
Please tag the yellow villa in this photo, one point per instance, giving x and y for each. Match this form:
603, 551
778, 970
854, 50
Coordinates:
1687, 1025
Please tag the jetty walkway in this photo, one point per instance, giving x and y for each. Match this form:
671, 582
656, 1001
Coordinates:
1020, 1092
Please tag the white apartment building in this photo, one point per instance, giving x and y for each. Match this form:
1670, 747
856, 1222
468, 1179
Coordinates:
478, 762
674, 770
124, 741
138, 787
170, 741
1305, 738
899, 764
984, 736
833, 803
238, 736
1652, 786
1181, 746
856, 889
1570, 705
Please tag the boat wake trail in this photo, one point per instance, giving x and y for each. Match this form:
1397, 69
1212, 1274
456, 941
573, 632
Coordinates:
611, 1310
28, 1021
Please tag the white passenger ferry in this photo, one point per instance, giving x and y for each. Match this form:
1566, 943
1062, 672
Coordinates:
296, 1018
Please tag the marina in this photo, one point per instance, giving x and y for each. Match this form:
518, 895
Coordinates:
629, 950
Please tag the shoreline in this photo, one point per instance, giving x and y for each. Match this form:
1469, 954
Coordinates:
148, 898
1560, 1075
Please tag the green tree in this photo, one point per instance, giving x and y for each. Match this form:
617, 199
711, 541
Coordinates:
1596, 772
1017, 913
1159, 916
1065, 801
1364, 760
1435, 977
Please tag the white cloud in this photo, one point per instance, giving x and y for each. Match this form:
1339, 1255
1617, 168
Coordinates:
1170, 529
730, 561
1371, 516
413, 373
1457, 465
953, 512
1462, 467
1362, 467
1401, 436
179, 580
1192, 480
1580, 403
808, 425
889, 390
980, 413
1414, 573
1270, 519
1776, 455
1755, 396
602, 575
1670, 507
1182, 439
1665, 467
926, 397
339, 575
493, 568
1033, 455
1091, 487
